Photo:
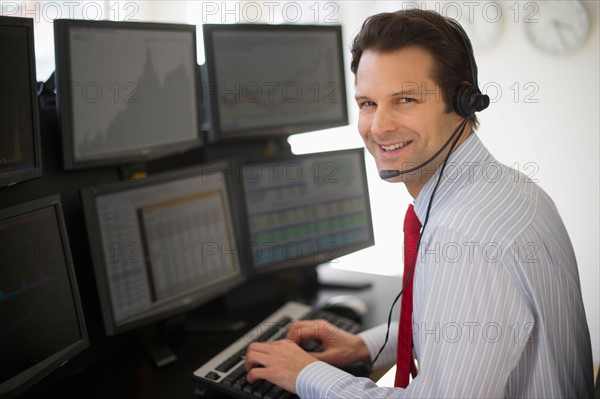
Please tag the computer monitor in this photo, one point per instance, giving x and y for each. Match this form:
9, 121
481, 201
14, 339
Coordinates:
305, 210
41, 314
20, 152
163, 245
126, 91
271, 81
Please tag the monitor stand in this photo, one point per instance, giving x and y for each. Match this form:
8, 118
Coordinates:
158, 349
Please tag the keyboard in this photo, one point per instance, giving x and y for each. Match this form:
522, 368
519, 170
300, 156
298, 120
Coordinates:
225, 372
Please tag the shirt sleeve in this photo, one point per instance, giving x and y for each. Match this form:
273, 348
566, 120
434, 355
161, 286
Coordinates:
320, 380
466, 314
374, 339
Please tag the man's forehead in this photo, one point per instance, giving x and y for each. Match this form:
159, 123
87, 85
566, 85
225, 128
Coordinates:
403, 67
366, 85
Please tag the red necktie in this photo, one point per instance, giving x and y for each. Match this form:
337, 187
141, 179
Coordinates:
412, 229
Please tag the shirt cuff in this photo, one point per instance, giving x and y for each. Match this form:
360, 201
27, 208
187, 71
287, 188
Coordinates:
317, 379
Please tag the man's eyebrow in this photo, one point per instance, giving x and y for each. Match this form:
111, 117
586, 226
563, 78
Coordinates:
396, 94
408, 92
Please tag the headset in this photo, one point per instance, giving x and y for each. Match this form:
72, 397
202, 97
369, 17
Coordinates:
469, 99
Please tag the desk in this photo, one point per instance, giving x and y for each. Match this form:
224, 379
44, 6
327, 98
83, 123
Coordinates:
378, 297
129, 372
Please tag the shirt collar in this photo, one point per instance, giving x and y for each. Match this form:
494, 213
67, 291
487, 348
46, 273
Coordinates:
459, 171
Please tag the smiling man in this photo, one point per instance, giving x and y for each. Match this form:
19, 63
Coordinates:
491, 302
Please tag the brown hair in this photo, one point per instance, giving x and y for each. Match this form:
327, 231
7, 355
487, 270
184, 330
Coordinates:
439, 35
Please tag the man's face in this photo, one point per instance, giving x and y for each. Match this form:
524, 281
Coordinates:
402, 116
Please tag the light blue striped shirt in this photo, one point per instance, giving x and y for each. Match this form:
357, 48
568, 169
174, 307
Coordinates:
497, 300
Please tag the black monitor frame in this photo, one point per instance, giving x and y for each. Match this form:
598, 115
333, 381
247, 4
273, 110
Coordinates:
24, 380
310, 260
14, 176
64, 96
183, 303
210, 86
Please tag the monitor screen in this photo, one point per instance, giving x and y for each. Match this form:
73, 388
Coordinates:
40, 309
273, 80
126, 91
20, 153
161, 246
305, 210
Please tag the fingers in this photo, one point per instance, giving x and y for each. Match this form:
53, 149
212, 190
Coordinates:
319, 330
278, 362
261, 354
256, 355
255, 374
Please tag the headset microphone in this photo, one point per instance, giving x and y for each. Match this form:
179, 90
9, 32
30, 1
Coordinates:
388, 174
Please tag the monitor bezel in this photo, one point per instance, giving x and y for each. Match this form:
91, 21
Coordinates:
12, 177
64, 96
310, 260
216, 132
175, 307
29, 377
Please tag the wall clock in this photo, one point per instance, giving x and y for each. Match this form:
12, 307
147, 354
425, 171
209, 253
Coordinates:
557, 27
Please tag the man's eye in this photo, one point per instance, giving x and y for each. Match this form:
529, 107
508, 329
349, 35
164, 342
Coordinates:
366, 104
406, 100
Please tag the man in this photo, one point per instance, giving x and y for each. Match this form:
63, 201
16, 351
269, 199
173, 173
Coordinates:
497, 308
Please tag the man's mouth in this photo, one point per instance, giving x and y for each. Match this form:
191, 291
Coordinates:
393, 147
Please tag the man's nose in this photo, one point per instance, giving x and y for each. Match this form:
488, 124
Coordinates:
383, 122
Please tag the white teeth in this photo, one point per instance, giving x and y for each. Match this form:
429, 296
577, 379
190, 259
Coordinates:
393, 146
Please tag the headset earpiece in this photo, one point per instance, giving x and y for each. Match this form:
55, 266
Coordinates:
469, 98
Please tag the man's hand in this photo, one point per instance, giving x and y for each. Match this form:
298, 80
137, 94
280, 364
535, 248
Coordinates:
278, 362
340, 348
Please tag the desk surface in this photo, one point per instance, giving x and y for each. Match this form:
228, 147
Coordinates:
130, 373
378, 297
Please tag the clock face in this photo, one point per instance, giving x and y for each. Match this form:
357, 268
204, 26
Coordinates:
558, 27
